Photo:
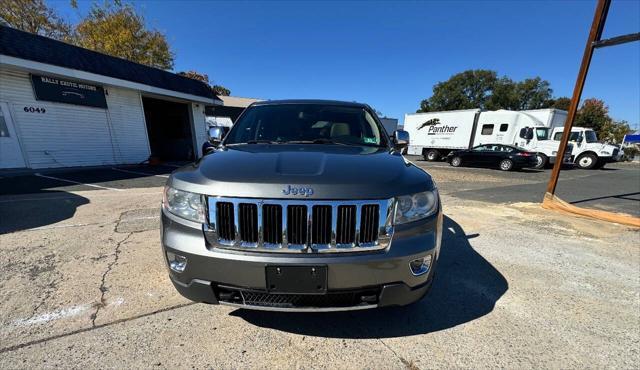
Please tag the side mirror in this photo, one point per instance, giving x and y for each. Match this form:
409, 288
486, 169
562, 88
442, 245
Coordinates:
529, 134
580, 138
526, 133
400, 139
215, 135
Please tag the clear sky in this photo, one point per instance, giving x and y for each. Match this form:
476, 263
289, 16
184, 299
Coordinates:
390, 54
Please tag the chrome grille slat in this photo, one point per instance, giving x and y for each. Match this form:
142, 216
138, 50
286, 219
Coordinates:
370, 222
347, 225
224, 218
299, 225
321, 225
272, 221
248, 215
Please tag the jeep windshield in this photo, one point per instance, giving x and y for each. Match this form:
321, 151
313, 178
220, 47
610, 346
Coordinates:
306, 124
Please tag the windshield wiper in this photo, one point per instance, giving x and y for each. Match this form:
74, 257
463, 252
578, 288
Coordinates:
260, 142
317, 141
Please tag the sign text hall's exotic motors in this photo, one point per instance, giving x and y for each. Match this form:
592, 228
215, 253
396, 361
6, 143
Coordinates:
67, 91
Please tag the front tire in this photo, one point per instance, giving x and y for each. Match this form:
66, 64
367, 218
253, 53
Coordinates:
506, 165
587, 161
432, 155
456, 161
541, 161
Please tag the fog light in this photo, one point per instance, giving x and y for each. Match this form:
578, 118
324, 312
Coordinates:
177, 262
420, 266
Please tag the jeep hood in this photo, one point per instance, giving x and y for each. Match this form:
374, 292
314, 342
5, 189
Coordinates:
332, 171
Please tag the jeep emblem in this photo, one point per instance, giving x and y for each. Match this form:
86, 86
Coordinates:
305, 191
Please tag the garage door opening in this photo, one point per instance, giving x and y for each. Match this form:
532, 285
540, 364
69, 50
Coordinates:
169, 130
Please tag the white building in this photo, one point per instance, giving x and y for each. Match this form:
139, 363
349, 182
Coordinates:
64, 106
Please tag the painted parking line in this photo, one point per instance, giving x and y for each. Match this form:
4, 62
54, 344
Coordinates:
76, 182
138, 172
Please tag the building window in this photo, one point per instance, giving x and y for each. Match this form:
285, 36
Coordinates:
487, 129
4, 130
504, 127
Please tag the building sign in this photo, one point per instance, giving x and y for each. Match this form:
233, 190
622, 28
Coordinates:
67, 91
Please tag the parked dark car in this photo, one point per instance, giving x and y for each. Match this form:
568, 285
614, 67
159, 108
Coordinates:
505, 157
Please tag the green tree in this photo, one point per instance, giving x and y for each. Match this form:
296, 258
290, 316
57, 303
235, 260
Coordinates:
466, 90
593, 113
532, 93
195, 75
504, 95
116, 29
613, 132
221, 90
36, 17
562, 103
217, 89
483, 89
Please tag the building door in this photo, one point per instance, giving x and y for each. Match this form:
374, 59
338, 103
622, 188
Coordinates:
10, 153
169, 129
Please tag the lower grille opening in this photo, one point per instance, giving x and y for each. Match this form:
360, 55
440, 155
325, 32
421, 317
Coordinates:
350, 298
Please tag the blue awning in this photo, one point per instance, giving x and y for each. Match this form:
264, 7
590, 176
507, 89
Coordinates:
631, 139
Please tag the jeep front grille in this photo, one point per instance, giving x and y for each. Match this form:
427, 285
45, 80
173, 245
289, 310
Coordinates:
298, 225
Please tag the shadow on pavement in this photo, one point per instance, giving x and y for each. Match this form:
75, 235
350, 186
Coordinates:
23, 214
121, 177
466, 287
627, 196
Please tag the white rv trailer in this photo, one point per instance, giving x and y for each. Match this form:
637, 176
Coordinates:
435, 134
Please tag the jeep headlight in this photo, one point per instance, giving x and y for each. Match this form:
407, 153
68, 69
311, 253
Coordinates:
416, 206
184, 204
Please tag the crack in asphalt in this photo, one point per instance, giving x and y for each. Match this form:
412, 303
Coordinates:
408, 364
116, 254
99, 305
51, 287
35, 272
103, 288
90, 328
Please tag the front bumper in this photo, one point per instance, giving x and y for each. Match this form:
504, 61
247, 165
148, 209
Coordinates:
383, 278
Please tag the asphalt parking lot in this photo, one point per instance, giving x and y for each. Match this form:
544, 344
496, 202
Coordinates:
614, 188
82, 283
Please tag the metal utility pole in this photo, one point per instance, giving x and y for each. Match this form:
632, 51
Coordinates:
594, 35
594, 41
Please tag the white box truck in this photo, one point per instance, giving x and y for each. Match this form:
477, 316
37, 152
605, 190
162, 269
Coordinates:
587, 152
433, 135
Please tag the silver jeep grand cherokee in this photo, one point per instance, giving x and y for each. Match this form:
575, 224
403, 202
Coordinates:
305, 205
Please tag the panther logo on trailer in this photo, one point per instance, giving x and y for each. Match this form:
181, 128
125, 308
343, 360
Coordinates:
435, 128
431, 122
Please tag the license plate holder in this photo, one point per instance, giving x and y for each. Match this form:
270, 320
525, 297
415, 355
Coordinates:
296, 279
